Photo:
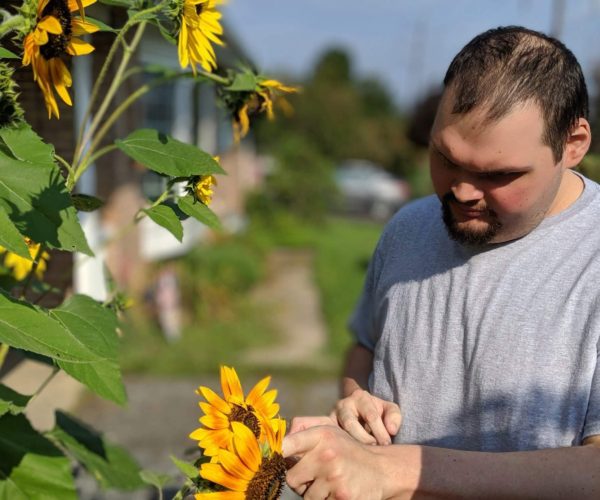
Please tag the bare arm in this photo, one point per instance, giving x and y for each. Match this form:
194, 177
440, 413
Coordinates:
358, 366
332, 463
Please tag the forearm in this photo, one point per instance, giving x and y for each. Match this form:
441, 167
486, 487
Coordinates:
425, 472
358, 366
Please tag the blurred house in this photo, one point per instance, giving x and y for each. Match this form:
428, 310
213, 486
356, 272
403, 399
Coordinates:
184, 109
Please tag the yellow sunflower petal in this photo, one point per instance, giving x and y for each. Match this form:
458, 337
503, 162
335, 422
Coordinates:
50, 24
209, 409
81, 27
75, 5
214, 399
232, 464
266, 404
246, 446
78, 47
40, 37
217, 474
182, 46
258, 390
214, 422
221, 495
61, 78
219, 438
231, 386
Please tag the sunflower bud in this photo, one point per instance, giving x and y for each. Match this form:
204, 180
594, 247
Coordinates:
11, 113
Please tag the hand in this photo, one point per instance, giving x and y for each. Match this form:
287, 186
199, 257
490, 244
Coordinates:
367, 418
303, 423
331, 464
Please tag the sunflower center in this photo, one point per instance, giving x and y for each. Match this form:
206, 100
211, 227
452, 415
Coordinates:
199, 8
268, 481
247, 417
57, 44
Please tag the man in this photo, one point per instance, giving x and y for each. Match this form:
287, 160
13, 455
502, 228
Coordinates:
477, 334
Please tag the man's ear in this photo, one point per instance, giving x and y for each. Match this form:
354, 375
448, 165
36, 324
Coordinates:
578, 143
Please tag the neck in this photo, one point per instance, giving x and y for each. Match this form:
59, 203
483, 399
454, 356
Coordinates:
569, 191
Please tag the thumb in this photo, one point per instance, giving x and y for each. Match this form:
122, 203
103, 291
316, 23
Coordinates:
392, 418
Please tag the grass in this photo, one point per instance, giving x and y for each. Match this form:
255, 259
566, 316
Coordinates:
342, 256
203, 346
231, 324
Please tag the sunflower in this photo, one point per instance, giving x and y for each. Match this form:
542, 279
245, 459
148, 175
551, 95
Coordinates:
256, 411
271, 90
200, 187
268, 94
199, 26
21, 266
50, 41
248, 471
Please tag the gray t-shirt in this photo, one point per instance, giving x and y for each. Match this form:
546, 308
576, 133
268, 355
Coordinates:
491, 349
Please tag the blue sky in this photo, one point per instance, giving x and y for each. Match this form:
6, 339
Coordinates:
407, 44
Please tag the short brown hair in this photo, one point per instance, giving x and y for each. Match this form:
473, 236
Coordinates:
510, 65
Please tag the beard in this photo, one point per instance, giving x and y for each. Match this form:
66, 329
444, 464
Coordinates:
465, 235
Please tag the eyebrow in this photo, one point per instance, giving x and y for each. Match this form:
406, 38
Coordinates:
501, 170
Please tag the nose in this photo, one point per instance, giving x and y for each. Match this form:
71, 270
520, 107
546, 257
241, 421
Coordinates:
466, 190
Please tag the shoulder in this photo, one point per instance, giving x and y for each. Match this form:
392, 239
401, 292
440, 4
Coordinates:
413, 217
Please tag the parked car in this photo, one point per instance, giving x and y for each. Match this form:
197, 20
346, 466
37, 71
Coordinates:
367, 189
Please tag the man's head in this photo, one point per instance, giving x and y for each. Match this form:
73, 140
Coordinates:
512, 120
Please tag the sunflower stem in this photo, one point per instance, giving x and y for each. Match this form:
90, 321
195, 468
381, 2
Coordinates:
8, 25
3, 353
33, 269
85, 135
99, 136
101, 152
221, 80
140, 214
64, 163
127, 53
55, 370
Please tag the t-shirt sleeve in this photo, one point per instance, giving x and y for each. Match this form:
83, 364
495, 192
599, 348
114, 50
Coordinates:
362, 321
592, 420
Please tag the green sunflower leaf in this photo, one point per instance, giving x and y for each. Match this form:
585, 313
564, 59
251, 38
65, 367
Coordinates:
10, 238
155, 479
199, 211
31, 467
11, 401
166, 217
80, 336
25, 145
33, 192
111, 465
86, 202
189, 470
166, 155
100, 25
94, 327
28, 327
243, 82
7, 54
117, 3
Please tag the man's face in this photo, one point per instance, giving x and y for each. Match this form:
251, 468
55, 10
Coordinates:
496, 181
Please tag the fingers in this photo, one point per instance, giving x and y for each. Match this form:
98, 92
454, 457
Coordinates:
299, 443
303, 423
392, 418
361, 416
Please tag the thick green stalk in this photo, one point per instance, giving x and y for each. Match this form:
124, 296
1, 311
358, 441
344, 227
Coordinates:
3, 352
90, 156
137, 18
10, 24
127, 53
